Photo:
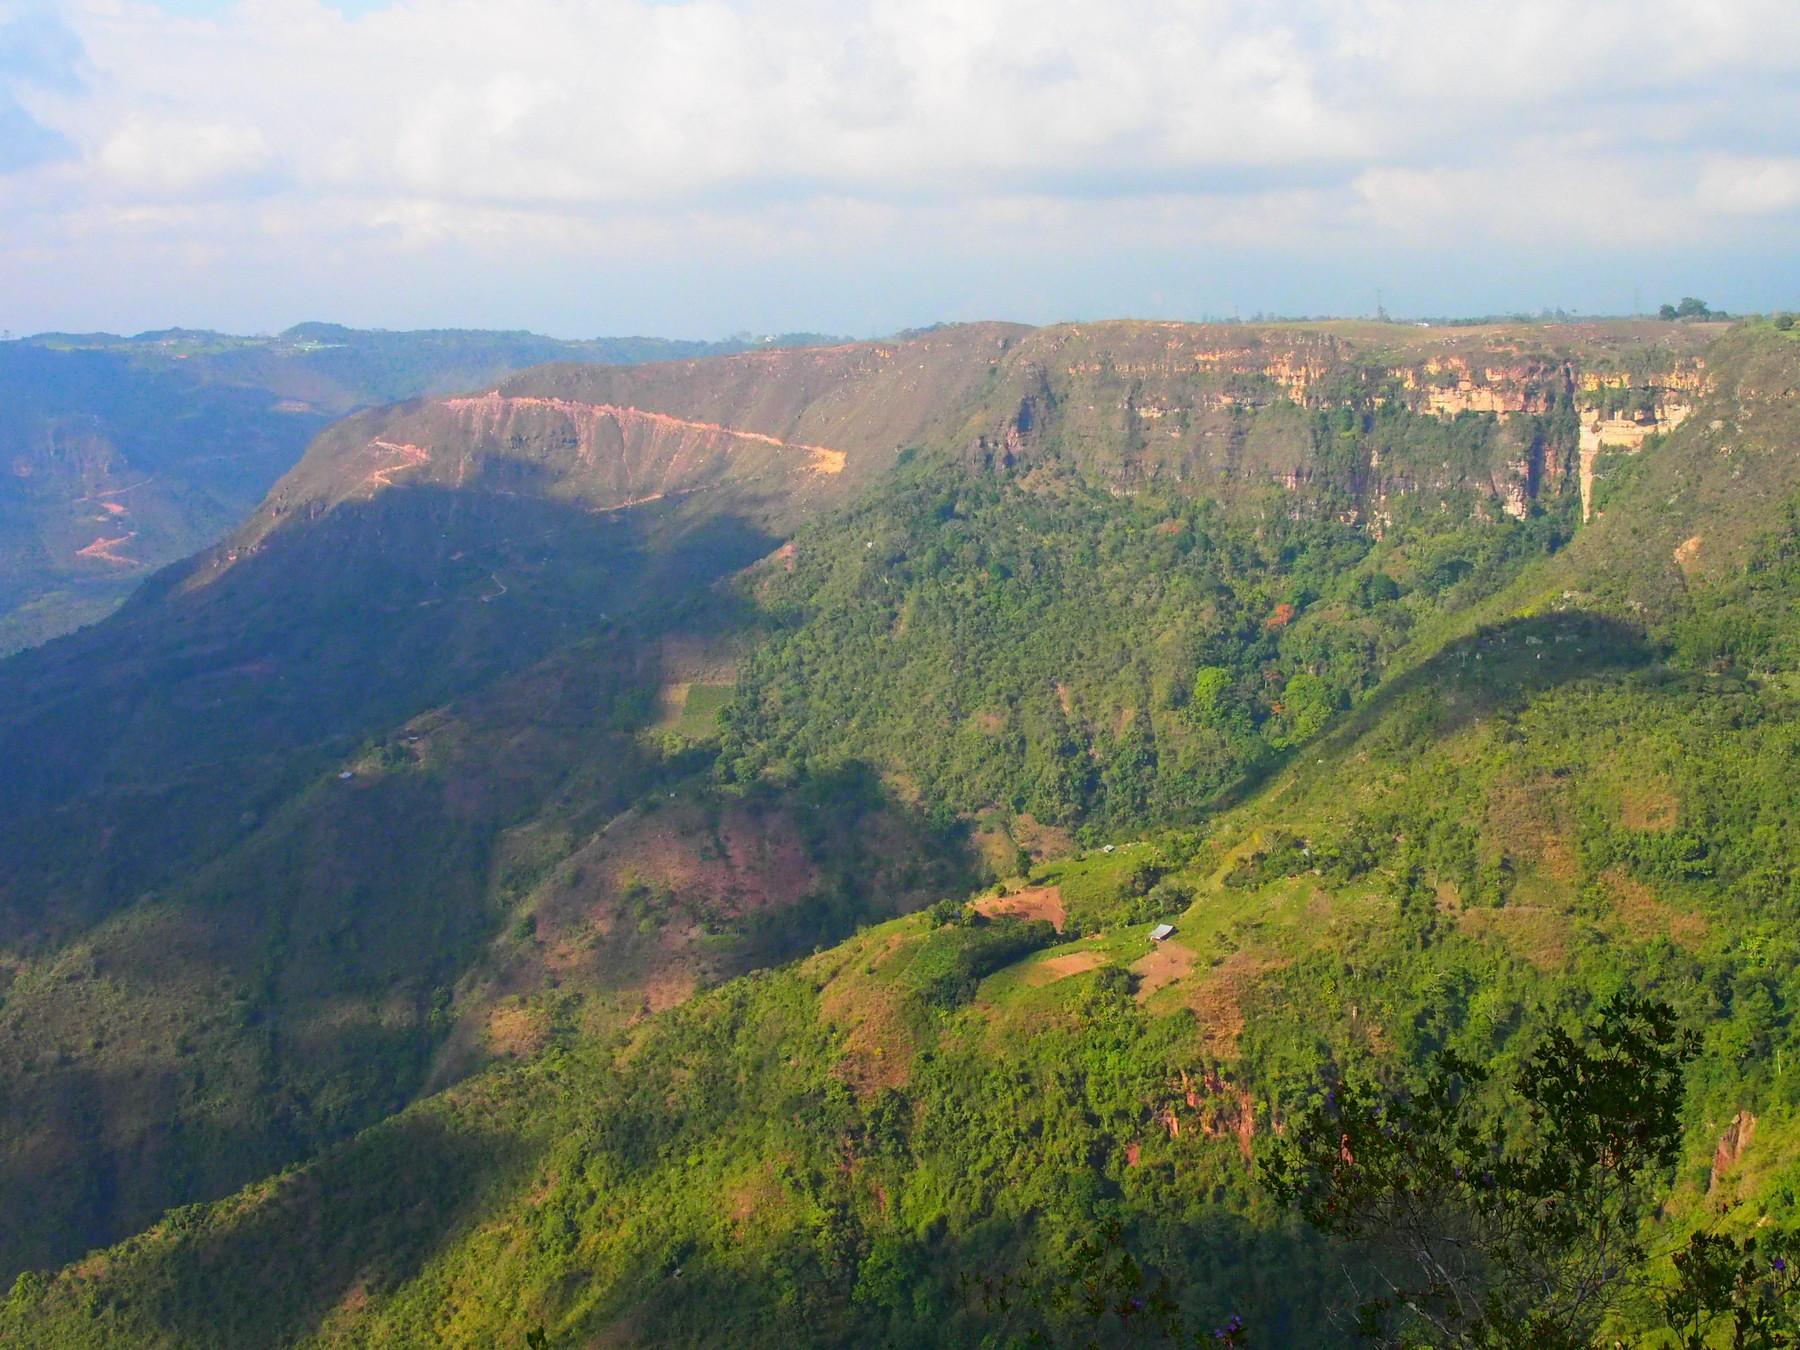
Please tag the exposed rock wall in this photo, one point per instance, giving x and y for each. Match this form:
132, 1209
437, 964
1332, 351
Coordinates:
1230, 411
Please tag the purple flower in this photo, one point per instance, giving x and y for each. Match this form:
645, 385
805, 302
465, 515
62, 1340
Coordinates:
1780, 1264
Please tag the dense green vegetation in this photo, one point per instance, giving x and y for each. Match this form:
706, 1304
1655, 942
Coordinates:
1433, 793
1044, 646
827, 1151
1483, 1217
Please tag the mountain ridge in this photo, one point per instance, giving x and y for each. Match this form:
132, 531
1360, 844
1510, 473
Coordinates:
1228, 632
126, 453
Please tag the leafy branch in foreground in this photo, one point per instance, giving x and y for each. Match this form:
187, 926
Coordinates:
1512, 1227
1727, 1292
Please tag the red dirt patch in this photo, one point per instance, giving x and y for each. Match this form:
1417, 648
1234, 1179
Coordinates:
1538, 934
1645, 917
672, 702
517, 1031
1034, 902
409, 457
1040, 840
1687, 555
1731, 1148
1161, 967
494, 406
755, 1194
664, 989
1222, 1109
1217, 998
878, 1047
355, 1299
1062, 967
748, 862
1526, 822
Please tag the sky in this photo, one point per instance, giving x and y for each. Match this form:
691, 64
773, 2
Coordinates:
701, 167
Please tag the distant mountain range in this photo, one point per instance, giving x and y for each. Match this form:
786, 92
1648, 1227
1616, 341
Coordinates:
119, 455
666, 855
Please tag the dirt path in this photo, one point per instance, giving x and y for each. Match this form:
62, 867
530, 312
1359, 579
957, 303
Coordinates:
411, 457
106, 550
824, 459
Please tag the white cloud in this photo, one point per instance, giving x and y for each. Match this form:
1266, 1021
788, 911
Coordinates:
1738, 185
166, 157
637, 125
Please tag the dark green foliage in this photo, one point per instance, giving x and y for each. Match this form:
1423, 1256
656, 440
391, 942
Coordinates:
947, 911
1745, 1288
1497, 1230
1282, 855
1750, 620
1072, 656
953, 960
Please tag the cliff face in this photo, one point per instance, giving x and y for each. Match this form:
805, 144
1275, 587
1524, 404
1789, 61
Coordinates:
1382, 418
1363, 421
1710, 488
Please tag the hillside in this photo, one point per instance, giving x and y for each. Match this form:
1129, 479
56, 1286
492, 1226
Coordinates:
833, 1149
126, 454
646, 678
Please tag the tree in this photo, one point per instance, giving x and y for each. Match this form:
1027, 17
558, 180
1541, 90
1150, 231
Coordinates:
1480, 1224
1666, 312
1721, 1282
1307, 703
1691, 308
1212, 688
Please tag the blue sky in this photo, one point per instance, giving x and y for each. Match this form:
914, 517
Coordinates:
703, 166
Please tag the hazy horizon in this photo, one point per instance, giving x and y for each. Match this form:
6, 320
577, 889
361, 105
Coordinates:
1445, 320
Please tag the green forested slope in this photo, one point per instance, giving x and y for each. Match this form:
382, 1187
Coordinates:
1444, 787
1042, 646
827, 1151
